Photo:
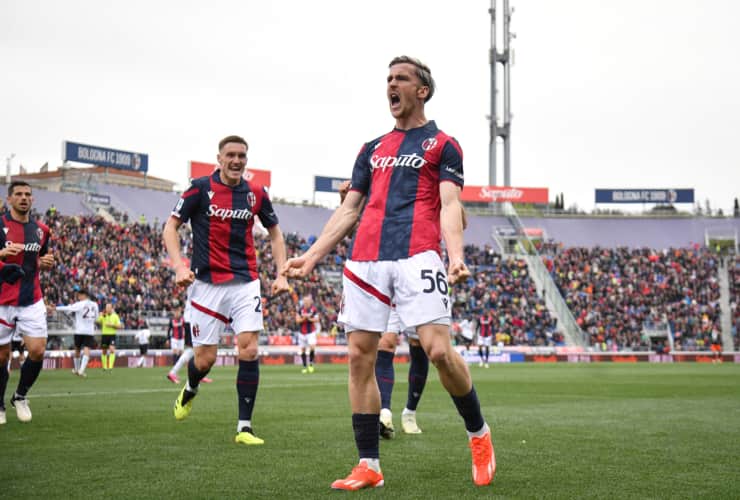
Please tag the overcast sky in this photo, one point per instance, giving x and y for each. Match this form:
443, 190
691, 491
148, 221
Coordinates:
618, 94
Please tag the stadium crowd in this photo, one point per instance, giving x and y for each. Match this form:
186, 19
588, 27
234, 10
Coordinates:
504, 288
734, 276
611, 292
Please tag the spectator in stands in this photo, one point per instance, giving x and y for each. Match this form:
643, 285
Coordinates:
612, 292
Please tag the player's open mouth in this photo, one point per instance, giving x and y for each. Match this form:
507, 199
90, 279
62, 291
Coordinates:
395, 99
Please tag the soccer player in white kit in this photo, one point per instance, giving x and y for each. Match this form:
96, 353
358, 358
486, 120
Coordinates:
86, 312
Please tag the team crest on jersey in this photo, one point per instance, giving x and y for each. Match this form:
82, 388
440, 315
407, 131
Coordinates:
428, 143
251, 199
210, 195
40, 233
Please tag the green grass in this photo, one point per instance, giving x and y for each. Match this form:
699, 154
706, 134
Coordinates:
560, 431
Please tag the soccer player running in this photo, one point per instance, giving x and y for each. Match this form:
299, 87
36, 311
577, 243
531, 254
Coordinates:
24, 242
176, 336
412, 177
110, 323
181, 342
467, 333
226, 286
142, 336
86, 312
309, 324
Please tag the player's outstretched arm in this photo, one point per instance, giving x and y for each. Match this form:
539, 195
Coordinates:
452, 219
339, 224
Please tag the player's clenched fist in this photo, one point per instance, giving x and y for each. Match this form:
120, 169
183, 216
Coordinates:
184, 276
457, 273
297, 267
280, 285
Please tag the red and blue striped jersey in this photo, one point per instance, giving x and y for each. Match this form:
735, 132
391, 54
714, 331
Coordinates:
307, 325
34, 235
400, 173
176, 328
221, 218
485, 326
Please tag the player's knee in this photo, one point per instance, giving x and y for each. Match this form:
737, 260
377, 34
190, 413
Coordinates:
248, 353
204, 360
439, 356
36, 353
361, 361
387, 343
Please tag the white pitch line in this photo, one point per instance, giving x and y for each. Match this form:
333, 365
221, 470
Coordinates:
173, 390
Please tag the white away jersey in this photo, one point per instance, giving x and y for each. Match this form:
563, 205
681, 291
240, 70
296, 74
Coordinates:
86, 312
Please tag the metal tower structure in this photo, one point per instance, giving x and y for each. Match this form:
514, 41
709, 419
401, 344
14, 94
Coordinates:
500, 126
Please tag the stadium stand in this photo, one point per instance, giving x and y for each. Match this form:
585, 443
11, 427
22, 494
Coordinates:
734, 274
612, 292
616, 274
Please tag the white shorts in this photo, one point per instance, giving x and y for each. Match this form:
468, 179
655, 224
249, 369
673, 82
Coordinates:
177, 344
417, 286
395, 326
187, 310
214, 307
306, 340
22, 320
485, 341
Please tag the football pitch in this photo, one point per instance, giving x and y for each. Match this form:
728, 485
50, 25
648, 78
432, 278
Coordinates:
607, 430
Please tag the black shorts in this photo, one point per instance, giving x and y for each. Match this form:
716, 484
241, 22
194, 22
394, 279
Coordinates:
83, 341
188, 336
108, 340
143, 348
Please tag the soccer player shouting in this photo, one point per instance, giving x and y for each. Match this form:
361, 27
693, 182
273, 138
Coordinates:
411, 177
226, 286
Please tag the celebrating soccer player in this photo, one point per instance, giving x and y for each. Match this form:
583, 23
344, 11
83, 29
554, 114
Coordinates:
226, 288
412, 178
24, 242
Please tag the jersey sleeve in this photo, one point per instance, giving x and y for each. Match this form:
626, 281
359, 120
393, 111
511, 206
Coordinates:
187, 204
451, 163
267, 214
362, 172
